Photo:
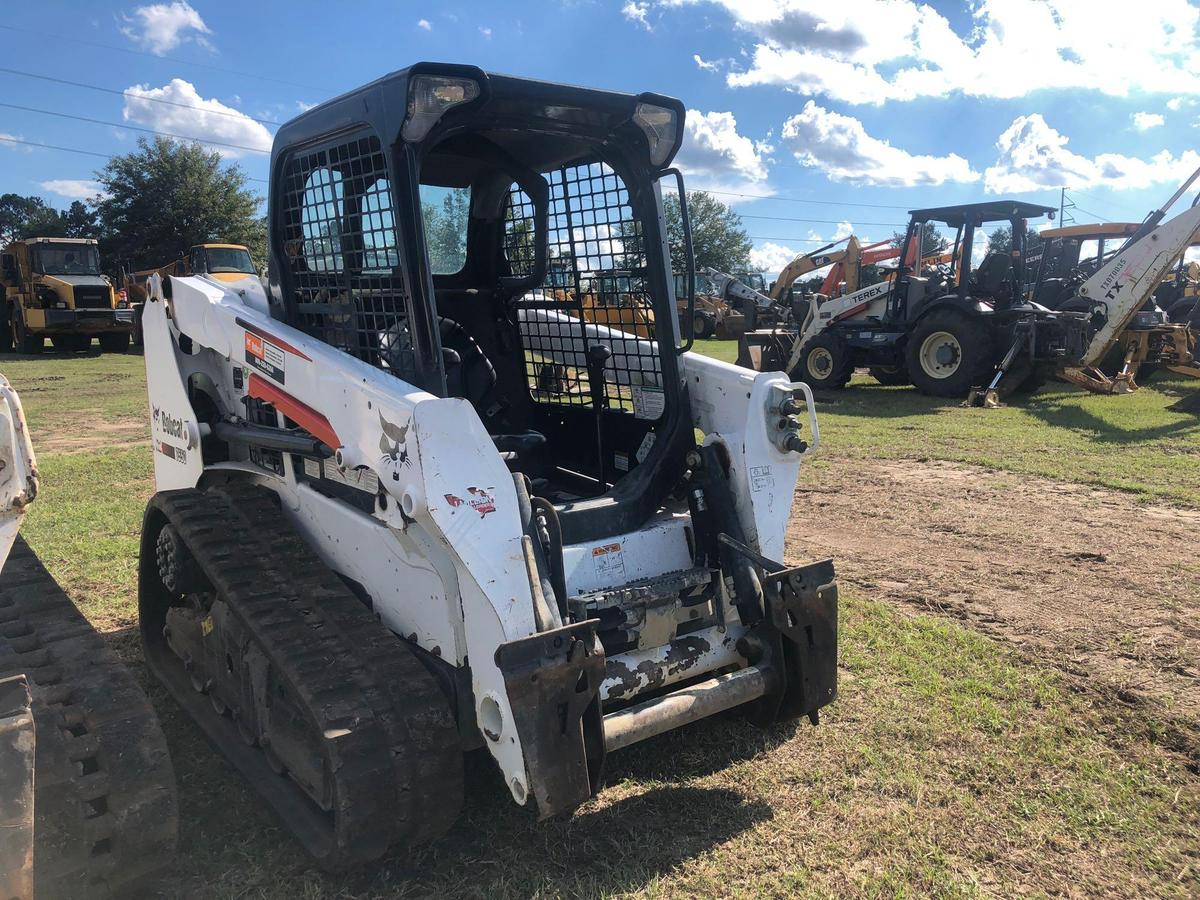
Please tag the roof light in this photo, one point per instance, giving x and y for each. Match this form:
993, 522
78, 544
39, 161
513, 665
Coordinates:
429, 97
660, 125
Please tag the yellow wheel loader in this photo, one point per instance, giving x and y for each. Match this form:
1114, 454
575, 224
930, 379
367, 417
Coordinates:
53, 287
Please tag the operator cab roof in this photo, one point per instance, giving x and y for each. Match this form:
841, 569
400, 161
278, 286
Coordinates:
517, 114
991, 211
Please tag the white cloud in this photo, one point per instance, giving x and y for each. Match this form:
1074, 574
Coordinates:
872, 51
72, 188
840, 147
424, 23
716, 157
303, 106
9, 141
705, 64
161, 27
1177, 103
486, 32
771, 257
1034, 156
844, 230
194, 116
1144, 121
636, 12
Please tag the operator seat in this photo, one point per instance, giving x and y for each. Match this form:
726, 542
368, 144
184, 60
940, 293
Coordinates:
471, 376
991, 278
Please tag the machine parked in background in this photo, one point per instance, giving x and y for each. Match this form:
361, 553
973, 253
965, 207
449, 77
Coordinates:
229, 264
1118, 292
53, 287
403, 513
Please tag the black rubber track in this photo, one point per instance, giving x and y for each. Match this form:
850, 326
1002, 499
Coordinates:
104, 789
387, 736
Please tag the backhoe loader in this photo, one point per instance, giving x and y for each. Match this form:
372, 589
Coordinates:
1149, 342
87, 791
1111, 294
389, 528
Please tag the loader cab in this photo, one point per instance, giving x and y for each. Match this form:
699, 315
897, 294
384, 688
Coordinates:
499, 240
1068, 255
997, 283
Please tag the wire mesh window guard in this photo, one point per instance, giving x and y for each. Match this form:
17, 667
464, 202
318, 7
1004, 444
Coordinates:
595, 292
340, 243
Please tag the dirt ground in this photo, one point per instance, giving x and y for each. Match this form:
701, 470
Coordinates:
1090, 580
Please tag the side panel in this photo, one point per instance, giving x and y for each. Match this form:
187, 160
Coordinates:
732, 405
174, 431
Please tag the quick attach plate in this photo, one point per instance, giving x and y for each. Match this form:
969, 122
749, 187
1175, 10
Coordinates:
553, 684
801, 630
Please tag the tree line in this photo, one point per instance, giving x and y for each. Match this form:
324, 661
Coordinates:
164, 196
153, 204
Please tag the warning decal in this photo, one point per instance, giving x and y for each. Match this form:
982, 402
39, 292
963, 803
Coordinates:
265, 356
609, 560
648, 402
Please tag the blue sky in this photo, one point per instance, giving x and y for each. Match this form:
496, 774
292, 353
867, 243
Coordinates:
812, 118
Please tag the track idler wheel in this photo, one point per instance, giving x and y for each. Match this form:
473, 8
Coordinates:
178, 570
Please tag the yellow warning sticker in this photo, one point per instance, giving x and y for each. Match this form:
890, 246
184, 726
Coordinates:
206, 625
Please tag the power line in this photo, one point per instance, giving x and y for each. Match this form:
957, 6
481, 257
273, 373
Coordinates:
56, 38
13, 140
180, 137
233, 114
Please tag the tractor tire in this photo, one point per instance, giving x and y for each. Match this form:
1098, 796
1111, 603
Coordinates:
22, 339
1024, 378
825, 362
949, 353
702, 326
890, 376
6, 339
114, 342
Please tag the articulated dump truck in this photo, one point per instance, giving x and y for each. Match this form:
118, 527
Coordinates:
53, 288
409, 507
87, 792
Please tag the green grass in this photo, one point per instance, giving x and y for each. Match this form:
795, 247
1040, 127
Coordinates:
1133, 442
81, 400
949, 766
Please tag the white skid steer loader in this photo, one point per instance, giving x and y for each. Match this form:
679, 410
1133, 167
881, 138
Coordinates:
421, 504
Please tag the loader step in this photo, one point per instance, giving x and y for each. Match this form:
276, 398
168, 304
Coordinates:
106, 813
331, 718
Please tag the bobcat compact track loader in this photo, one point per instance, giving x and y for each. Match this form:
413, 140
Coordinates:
420, 503
87, 791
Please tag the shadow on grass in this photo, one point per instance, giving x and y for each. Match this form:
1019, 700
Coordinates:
637, 830
1076, 418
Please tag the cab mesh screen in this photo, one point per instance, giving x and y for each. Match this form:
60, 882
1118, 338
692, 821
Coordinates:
342, 256
595, 292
